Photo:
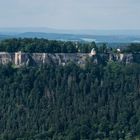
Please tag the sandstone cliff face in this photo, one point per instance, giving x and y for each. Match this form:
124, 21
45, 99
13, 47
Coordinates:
6, 57
21, 59
120, 57
25, 59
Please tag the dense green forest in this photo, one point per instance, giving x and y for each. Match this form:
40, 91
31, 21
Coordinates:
32, 45
53, 102
98, 102
44, 46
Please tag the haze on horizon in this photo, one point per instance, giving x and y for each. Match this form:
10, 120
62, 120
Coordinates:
71, 14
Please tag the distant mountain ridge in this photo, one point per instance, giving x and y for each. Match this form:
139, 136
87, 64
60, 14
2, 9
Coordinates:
15, 30
110, 36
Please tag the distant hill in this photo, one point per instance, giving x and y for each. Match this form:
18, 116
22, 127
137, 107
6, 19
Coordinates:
88, 38
69, 31
73, 37
4, 37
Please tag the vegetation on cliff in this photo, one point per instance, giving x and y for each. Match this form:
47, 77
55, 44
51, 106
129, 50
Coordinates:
51, 46
70, 103
48, 46
44, 46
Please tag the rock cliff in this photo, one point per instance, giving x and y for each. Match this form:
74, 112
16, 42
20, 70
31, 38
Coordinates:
21, 59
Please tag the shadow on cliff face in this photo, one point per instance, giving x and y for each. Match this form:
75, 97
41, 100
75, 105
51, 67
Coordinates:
30, 61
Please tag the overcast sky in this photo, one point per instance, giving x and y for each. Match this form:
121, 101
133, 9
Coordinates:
71, 14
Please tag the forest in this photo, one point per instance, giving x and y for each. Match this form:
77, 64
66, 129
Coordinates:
54, 102
98, 102
32, 45
35, 45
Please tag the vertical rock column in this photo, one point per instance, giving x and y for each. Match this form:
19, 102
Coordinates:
44, 57
18, 58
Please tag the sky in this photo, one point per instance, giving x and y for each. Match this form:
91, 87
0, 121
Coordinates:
71, 14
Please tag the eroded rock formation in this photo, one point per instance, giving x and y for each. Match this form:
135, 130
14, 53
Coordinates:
21, 59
